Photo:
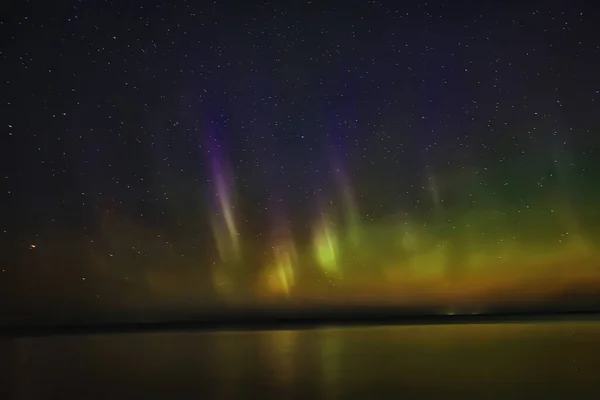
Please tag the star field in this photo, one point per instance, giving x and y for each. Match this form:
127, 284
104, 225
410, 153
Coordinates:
182, 152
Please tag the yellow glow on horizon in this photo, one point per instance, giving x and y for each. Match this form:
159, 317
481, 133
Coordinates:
409, 262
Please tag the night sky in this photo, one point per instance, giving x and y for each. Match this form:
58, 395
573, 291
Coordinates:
181, 154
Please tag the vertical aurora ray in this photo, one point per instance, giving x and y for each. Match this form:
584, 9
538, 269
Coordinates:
326, 246
351, 213
350, 207
279, 275
223, 218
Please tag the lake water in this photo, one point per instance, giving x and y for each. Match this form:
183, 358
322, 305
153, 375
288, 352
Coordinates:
504, 361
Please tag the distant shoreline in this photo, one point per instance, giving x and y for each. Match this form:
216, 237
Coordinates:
270, 320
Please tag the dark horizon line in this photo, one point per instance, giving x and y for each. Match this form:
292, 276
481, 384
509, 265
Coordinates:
270, 320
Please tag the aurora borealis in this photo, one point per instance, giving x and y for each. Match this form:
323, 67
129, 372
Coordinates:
183, 156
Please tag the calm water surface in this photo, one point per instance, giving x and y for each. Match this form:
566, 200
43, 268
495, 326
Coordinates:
504, 361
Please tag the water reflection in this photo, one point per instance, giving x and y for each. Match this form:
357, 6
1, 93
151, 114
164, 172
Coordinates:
277, 355
331, 350
494, 360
